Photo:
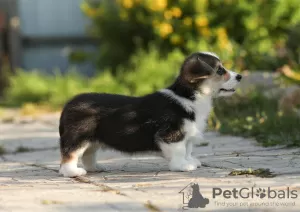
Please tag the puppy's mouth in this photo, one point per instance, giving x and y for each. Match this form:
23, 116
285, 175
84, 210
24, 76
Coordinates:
227, 90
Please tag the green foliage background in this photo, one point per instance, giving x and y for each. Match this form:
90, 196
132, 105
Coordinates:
253, 32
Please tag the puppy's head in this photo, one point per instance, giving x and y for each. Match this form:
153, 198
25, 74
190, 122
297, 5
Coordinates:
203, 72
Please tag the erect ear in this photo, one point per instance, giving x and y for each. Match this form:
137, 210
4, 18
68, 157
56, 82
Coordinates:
195, 69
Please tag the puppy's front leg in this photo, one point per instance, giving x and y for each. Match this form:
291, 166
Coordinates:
188, 156
176, 153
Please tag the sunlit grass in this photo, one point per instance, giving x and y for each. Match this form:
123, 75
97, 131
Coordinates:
35, 91
254, 115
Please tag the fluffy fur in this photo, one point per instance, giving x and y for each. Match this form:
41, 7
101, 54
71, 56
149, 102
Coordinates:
167, 121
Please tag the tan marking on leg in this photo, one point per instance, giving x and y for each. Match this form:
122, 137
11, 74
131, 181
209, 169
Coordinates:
68, 158
68, 167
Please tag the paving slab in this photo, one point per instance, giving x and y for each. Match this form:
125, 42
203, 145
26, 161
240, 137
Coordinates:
30, 181
35, 135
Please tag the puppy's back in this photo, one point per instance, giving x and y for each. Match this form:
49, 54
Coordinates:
87, 105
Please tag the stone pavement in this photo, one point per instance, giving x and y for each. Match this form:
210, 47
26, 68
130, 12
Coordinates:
29, 179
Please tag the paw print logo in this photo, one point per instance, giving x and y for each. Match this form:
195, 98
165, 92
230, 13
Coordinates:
261, 193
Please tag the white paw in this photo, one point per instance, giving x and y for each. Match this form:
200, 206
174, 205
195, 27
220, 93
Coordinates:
68, 171
183, 166
194, 161
95, 168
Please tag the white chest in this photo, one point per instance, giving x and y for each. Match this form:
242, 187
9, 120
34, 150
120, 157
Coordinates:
202, 109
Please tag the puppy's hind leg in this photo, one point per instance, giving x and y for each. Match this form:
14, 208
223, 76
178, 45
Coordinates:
69, 161
89, 158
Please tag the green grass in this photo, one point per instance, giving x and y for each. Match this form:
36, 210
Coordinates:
253, 115
22, 149
55, 90
203, 144
264, 173
2, 150
148, 72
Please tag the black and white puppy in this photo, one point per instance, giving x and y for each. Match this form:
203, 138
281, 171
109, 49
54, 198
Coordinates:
168, 121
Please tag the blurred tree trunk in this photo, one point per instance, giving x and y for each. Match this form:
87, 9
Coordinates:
3, 53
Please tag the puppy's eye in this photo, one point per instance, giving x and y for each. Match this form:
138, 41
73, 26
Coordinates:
221, 71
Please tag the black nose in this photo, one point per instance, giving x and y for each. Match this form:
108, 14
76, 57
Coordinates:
238, 77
